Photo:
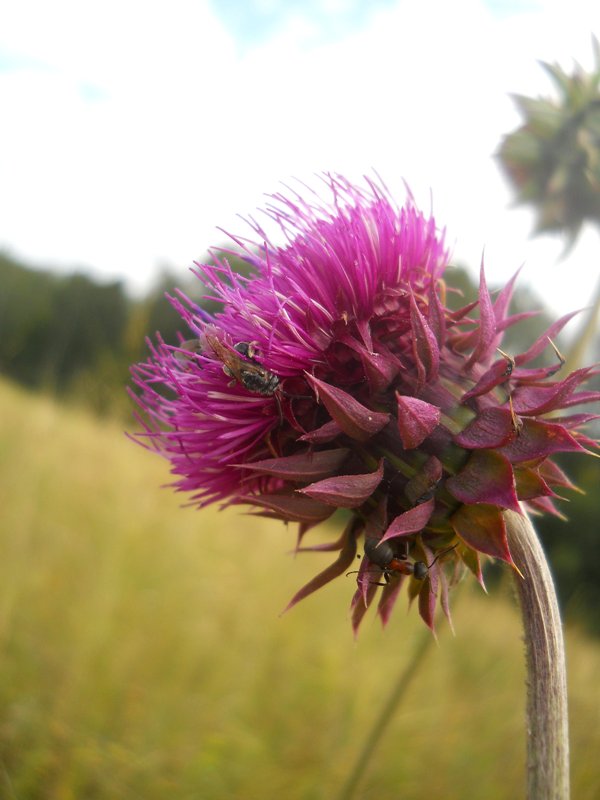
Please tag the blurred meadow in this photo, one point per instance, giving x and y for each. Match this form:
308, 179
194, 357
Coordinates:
143, 655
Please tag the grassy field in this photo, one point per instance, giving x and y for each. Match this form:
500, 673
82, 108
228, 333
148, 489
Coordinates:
143, 655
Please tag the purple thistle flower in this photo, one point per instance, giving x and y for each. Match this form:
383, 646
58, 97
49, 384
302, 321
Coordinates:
336, 376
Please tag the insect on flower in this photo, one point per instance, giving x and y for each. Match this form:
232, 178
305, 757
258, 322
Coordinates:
187, 350
239, 363
383, 401
383, 556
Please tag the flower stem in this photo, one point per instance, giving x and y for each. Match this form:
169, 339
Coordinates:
547, 715
386, 715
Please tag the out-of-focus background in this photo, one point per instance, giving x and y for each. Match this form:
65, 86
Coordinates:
142, 655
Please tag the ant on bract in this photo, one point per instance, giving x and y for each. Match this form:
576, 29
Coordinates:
382, 555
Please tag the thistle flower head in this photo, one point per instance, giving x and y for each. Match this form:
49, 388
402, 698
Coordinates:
335, 376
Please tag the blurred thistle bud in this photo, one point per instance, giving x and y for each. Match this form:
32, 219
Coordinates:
335, 376
553, 159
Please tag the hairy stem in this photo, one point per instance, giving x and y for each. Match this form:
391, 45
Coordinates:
547, 716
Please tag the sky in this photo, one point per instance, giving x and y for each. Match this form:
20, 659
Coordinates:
133, 131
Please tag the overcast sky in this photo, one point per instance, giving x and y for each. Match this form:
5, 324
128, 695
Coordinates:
132, 130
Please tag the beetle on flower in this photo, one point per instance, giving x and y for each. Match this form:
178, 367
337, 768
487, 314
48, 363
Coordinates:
381, 400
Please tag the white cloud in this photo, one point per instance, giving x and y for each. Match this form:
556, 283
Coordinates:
137, 128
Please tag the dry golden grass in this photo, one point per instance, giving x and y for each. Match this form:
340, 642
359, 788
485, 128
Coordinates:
143, 655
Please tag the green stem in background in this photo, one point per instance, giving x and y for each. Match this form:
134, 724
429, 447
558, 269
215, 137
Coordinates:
547, 715
386, 714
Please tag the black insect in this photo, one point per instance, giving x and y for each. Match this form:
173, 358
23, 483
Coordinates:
187, 350
239, 363
510, 362
383, 556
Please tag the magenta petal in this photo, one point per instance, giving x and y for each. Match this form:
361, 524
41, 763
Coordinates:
360, 603
367, 579
498, 373
343, 561
482, 528
530, 484
376, 521
493, 427
389, 595
412, 590
513, 319
308, 466
345, 491
579, 398
487, 477
324, 547
425, 346
290, 507
541, 399
472, 560
543, 341
575, 420
326, 433
538, 439
364, 328
502, 302
445, 599
524, 376
416, 420
380, 368
436, 316
380, 371
544, 505
423, 484
487, 324
427, 603
551, 472
354, 419
461, 313
411, 521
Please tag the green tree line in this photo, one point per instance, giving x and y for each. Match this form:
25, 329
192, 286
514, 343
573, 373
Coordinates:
77, 337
